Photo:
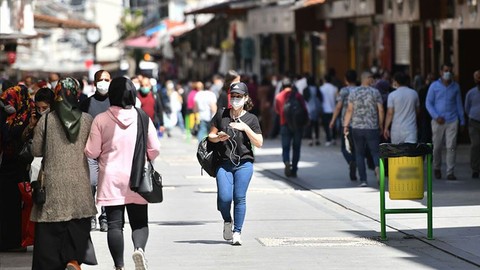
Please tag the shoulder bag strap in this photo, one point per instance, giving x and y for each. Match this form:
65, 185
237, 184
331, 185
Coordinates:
44, 147
143, 118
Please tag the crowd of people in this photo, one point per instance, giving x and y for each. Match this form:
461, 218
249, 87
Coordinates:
82, 135
63, 127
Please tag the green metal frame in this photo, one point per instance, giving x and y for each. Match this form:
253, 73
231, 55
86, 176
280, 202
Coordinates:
427, 210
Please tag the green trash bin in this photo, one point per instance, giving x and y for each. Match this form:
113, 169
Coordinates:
405, 176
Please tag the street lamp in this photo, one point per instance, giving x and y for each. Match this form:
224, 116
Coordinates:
93, 37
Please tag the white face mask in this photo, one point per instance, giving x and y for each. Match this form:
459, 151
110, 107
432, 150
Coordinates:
102, 87
447, 76
137, 86
53, 84
237, 103
44, 112
170, 85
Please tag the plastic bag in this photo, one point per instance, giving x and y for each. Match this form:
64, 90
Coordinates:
404, 150
28, 227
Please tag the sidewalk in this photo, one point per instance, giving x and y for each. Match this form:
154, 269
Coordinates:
456, 212
321, 220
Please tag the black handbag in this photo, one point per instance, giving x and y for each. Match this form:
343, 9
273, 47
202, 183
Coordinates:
25, 154
144, 179
151, 190
39, 196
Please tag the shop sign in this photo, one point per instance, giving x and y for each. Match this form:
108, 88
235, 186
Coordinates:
271, 20
346, 9
401, 10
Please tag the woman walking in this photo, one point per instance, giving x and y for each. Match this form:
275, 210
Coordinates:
62, 232
234, 131
112, 143
17, 111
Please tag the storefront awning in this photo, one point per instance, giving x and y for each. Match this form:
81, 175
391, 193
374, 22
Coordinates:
14, 36
156, 36
307, 3
147, 42
231, 7
47, 21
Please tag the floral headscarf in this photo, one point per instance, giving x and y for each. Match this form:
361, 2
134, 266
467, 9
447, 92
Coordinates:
18, 105
66, 105
18, 108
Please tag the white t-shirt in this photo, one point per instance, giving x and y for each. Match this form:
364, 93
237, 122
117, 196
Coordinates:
404, 102
205, 100
329, 92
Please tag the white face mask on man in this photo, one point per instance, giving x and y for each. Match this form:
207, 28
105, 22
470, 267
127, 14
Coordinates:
237, 102
102, 87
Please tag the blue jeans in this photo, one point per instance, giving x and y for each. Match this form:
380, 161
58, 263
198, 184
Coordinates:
232, 185
203, 129
181, 121
294, 139
365, 139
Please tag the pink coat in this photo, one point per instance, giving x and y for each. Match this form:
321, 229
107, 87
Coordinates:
112, 142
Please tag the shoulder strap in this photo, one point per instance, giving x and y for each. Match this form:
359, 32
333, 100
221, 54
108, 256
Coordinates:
138, 162
44, 145
142, 133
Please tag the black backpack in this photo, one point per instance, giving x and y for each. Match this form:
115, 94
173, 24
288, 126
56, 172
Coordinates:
207, 157
294, 112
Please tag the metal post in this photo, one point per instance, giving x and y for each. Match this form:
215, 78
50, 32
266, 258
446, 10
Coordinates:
382, 201
429, 197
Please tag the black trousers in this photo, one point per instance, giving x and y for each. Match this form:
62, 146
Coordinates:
138, 217
10, 205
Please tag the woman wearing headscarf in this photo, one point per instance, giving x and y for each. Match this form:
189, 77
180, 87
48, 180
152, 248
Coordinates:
17, 108
62, 232
112, 142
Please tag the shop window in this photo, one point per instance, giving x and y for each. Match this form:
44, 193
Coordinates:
472, 9
389, 7
363, 4
450, 8
400, 7
402, 44
347, 4
412, 5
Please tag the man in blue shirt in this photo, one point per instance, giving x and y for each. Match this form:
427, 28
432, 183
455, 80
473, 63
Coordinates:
472, 109
444, 103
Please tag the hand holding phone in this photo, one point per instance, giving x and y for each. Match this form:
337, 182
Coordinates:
223, 136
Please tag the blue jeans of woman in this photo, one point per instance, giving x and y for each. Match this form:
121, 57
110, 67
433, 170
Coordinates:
232, 185
291, 139
365, 139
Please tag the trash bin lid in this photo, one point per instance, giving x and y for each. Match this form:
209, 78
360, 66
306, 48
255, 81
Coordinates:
404, 150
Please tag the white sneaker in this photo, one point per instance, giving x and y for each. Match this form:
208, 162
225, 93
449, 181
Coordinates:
227, 231
138, 257
237, 239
